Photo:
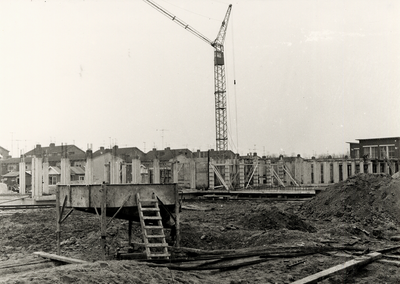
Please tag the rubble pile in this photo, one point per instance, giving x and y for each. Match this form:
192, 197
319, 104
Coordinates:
370, 199
272, 218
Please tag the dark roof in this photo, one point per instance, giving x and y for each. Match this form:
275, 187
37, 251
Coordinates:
77, 170
14, 174
127, 153
166, 154
53, 149
380, 138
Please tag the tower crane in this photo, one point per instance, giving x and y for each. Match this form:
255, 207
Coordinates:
219, 72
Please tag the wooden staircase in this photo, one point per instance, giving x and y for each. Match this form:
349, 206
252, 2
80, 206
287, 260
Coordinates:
152, 228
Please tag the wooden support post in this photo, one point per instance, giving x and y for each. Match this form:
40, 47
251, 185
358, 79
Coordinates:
129, 232
177, 225
103, 207
58, 231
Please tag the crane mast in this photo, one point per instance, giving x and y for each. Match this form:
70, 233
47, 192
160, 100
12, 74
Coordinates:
221, 124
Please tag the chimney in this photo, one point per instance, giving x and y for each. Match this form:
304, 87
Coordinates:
115, 150
89, 154
38, 150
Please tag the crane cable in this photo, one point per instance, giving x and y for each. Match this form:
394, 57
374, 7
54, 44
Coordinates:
234, 86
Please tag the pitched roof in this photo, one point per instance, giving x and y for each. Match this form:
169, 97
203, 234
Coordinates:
166, 154
77, 171
127, 153
53, 149
4, 149
15, 174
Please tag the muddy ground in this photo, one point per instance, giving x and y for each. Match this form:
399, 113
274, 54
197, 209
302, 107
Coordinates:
363, 211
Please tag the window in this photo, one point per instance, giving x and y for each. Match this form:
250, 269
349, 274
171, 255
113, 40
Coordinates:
11, 168
374, 152
52, 180
367, 151
387, 151
357, 153
391, 151
371, 151
81, 178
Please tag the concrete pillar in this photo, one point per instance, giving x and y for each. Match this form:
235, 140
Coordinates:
107, 173
89, 167
353, 168
327, 172
33, 177
115, 166
255, 175
156, 171
192, 165
281, 172
306, 170
45, 167
317, 172
65, 171
211, 182
378, 167
175, 171
22, 176
344, 170
387, 169
361, 167
335, 172
298, 170
123, 173
268, 172
136, 176
227, 172
261, 171
370, 167
37, 175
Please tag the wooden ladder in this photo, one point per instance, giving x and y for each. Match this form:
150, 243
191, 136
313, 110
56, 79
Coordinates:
152, 228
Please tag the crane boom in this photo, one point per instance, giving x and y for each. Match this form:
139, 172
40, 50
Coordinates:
178, 21
219, 72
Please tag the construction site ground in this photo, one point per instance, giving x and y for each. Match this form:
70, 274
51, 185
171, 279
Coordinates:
363, 211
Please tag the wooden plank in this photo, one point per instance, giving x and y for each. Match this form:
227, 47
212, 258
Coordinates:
391, 256
392, 262
59, 258
360, 261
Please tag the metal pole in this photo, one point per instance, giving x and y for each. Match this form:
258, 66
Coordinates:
177, 225
58, 231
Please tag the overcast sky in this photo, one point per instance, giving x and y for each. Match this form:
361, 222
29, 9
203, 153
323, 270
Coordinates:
310, 75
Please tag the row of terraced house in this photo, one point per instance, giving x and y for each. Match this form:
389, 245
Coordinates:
204, 169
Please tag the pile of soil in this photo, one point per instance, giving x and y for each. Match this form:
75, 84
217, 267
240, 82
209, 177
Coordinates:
370, 199
272, 218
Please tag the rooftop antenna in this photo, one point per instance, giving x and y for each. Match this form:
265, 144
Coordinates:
162, 136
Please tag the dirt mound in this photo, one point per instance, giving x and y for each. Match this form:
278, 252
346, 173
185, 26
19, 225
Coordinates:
267, 218
372, 199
